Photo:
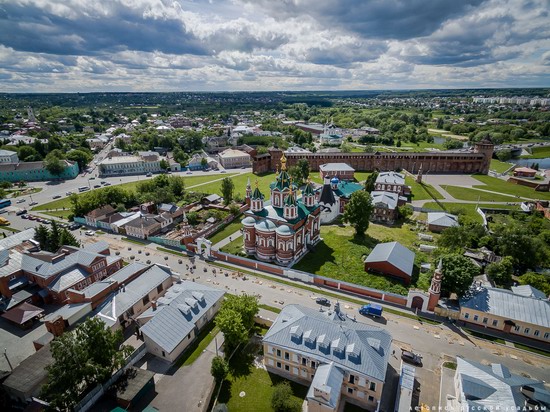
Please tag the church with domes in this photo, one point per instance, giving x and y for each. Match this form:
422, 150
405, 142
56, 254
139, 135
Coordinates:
282, 231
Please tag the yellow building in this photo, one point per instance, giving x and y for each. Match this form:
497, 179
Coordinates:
338, 358
522, 311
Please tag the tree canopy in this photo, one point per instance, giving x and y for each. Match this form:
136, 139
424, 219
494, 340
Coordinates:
54, 164
82, 358
358, 211
371, 180
227, 188
52, 239
236, 317
219, 368
458, 274
501, 272
282, 399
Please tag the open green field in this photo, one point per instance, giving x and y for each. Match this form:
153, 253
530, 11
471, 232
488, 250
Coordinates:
465, 193
240, 184
538, 153
498, 166
467, 209
422, 191
190, 181
340, 256
256, 383
499, 185
231, 228
235, 247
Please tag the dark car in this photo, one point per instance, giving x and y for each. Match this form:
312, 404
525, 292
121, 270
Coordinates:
21, 212
411, 357
322, 301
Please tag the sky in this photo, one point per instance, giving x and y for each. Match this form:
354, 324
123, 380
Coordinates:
263, 45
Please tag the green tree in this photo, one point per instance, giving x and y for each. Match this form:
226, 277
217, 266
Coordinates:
451, 144
303, 164
370, 182
282, 399
41, 235
295, 174
54, 164
82, 359
458, 273
219, 368
227, 188
234, 209
358, 211
81, 157
204, 163
501, 272
537, 280
164, 165
68, 239
193, 218
504, 155
236, 317
177, 185
54, 237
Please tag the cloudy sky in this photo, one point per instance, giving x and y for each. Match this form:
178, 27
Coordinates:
217, 45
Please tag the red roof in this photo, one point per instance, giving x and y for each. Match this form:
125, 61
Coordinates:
525, 170
22, 313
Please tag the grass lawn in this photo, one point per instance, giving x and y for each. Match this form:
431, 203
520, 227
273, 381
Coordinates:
240, 184
422, 191
235, 247
502, 186
464, 193
228, 230
62, 214
135, 241
270, 308
257, 384
538, 153
195, 350
340, 256
189, 181
467, 209
498, 166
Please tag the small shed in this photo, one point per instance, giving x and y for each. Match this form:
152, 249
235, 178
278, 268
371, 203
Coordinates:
439, 221
391, 259
133, 385
211, 199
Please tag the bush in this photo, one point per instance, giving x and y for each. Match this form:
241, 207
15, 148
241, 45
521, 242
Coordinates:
282, 400
219, 368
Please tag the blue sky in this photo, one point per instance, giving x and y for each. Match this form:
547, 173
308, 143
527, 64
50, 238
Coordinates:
217, 45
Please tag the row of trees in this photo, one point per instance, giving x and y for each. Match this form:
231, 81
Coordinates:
51, 239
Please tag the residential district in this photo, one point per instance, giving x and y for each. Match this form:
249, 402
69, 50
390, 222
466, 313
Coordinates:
384, 253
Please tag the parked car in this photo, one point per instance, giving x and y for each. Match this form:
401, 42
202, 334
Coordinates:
74, 226
57, 197
68, 193
97, 186
147, 253
148, 262
165, 257
189, 173
106, 184
21, 212
21, 200
322, 301
24, 216
411, 357
180, 261
149, 174
92, 178
372, 309
33, 203
89, 233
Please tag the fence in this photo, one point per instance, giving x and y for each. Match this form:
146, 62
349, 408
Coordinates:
91, 398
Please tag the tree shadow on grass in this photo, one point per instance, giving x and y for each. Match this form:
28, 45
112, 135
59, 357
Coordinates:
316, 258
300, 391
242, 362
225, 392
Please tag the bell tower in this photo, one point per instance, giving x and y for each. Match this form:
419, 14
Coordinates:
435, 287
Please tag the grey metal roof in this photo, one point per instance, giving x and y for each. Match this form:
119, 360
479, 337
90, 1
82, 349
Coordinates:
529, 291
507, 304
68, 278
372, 344
442, 219
493, 386
17, 238
44, 269
393, 178
66, 311
384, 199
172, 322
128, 271
124, 298
30, 373
14, 264
97, 247
337, 167
394, 253
328, 379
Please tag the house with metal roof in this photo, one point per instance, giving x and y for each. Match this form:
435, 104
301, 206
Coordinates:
342, 171
130, 300
439, 221
175, 320
338, 358
392, 182
391, 259
384, 207
493, 387
526, 313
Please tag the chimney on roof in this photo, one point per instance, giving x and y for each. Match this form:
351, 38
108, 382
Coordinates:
123, 287
154, 304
